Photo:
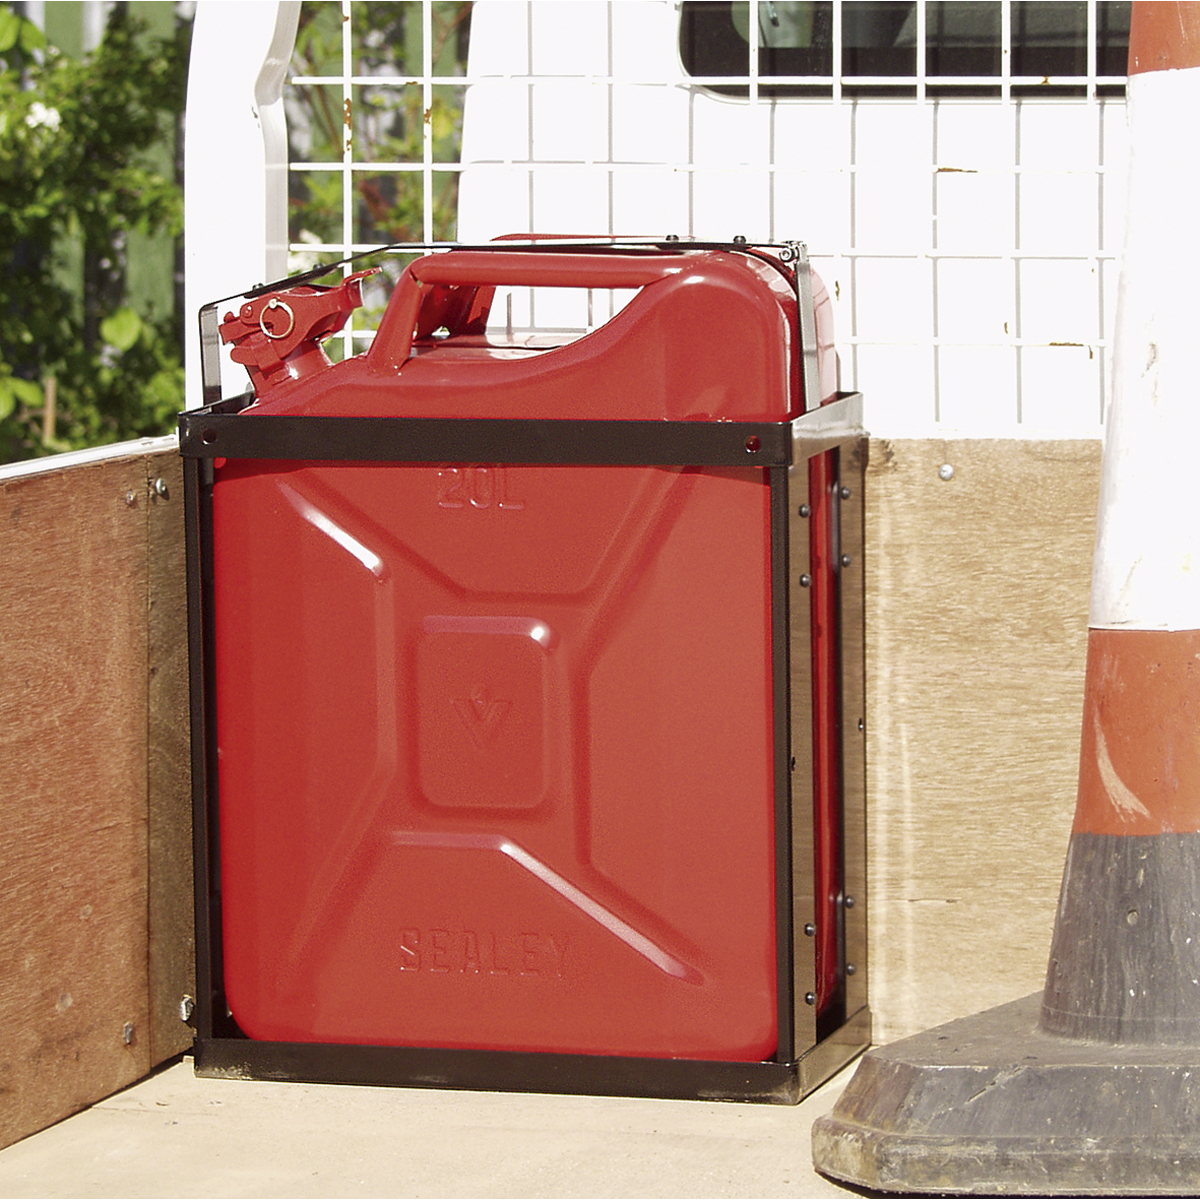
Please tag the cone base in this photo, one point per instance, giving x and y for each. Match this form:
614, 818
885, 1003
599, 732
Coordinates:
1124, 961
990, 1105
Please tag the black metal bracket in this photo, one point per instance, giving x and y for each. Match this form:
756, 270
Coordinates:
223, 431
226, 430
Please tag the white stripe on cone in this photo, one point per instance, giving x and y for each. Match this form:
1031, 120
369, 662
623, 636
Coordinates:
1146, 571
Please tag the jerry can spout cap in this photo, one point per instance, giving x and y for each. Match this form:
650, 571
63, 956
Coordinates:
277, 336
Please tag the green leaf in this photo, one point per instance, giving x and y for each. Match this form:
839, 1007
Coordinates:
7, 400
30, 394
10, 29
31, 37
122, 329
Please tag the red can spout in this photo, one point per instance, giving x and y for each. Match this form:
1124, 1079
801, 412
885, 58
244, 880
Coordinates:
277, 336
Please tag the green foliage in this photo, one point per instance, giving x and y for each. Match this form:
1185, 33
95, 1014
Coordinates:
76, 182
19, 39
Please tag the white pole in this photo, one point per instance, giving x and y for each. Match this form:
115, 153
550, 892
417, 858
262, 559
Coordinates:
235, 200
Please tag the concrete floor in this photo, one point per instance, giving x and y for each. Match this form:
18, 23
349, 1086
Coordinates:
175, 1135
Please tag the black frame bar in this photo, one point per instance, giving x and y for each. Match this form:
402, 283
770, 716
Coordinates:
212, 433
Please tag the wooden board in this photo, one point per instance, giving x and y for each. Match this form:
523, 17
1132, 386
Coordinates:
977, 600
95, 827
172, 943
73, 884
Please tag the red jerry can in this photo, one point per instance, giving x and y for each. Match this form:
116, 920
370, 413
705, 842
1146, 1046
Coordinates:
495, 749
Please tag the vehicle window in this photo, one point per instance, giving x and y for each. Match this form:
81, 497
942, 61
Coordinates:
1052, 46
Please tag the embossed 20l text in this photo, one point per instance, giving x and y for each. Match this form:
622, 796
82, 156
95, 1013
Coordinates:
478, 487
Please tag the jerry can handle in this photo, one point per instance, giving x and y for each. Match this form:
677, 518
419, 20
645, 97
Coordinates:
392, 346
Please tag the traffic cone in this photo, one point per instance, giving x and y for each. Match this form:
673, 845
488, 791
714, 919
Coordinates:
1094, 1086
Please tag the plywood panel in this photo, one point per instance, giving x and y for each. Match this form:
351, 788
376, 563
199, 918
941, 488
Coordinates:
73, 879
977, 598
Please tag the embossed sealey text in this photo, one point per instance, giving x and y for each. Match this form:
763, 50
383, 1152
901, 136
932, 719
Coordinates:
482, 952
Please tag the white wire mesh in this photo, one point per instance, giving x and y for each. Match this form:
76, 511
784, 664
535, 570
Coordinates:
970, 240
